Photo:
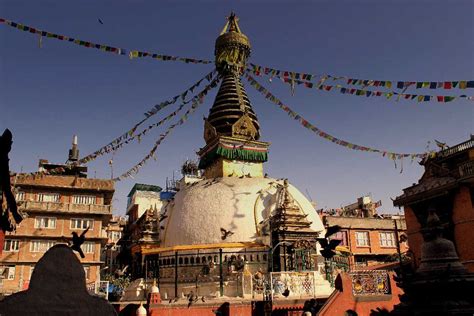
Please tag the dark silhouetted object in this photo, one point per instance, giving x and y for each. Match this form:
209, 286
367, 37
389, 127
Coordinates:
328, 246
77, 241
5, 187
192, 298
226, 233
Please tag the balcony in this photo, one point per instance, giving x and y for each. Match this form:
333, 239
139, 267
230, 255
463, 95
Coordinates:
455, 149
66, 207
466, 169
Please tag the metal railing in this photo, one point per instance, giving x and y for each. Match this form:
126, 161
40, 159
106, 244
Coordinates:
455, 149
295, 284
466, 169
66, 207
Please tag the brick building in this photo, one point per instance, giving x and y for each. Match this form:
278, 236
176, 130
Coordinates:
54, 207
446, 187
369, 241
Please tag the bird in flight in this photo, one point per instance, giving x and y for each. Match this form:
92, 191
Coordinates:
100, 21
225, 233
77, 241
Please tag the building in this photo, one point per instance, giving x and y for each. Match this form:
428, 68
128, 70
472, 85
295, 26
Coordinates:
371, 240
231, 230
114, 231
447, 188
368, 237
56, 206
145, 203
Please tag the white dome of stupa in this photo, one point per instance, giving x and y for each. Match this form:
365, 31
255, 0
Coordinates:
240, 205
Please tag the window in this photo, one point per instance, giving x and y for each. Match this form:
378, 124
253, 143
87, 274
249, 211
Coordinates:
10, 273
362, 239
41, 245
83, 199
387, 239
81, 223
11, 245
88, 247
342, 235
48, 197
87, 271
45, 222
20, 196
114, 235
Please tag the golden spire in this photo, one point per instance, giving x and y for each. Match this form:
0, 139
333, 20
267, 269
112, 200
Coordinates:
232, 47
231, 114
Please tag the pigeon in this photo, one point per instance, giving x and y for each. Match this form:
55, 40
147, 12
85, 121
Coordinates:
100, 21
225, 233
174, 300
192, 298
120, 273
77, 241
286, 292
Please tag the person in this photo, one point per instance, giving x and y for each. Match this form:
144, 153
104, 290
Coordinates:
8, 199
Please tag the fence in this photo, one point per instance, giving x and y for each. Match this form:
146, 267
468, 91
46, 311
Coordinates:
293, 284
99, 288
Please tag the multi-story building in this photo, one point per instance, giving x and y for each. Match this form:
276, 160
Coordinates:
114, 231
55, 206
369, 240
446, 188
367, 237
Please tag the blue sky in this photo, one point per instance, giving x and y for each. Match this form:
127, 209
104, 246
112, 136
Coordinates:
48, 94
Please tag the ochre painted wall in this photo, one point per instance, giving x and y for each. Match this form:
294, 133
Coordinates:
463, 220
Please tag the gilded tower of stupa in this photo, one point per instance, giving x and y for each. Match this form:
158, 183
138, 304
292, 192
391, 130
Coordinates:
231, 130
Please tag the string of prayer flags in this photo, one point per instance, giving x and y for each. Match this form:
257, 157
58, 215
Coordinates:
370, 93
110, 49
196, 101
460, 84
129, 135
268, 95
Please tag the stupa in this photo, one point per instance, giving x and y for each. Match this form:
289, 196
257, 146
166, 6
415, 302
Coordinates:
224, 230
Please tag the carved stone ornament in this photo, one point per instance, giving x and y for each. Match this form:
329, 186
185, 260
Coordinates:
209, 131
244, 128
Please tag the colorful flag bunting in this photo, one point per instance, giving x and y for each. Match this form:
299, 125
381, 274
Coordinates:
268, 95
259, 70
369, 93
119, 51
196, 101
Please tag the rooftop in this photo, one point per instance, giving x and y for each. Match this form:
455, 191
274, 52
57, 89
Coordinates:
64, 182
144, 187
364, 223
